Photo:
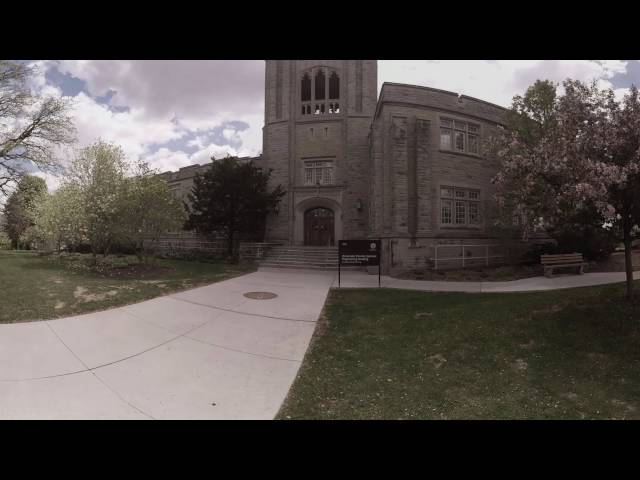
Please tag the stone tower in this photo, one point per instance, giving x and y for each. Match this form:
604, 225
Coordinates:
318, 116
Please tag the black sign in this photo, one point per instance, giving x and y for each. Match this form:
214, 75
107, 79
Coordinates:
359, 252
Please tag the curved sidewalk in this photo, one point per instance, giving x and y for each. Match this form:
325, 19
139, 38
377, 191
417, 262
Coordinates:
355, 279
206, 353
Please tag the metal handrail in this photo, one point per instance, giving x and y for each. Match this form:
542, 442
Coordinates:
463, 257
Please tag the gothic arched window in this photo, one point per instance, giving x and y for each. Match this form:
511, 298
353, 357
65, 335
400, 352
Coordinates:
320, 85
334, 86
306, 88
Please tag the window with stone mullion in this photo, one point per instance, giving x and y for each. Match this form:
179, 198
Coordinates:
459, 136
318, 173
459, 206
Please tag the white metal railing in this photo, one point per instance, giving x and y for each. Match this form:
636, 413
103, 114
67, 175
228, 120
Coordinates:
465, 258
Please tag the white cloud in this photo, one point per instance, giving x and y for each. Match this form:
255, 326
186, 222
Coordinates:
167, 100
190, 89
494, 81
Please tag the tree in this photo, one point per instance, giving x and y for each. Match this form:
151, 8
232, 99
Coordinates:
60, 219
150, 210
586, 159
20, 208
30, 127
98, 174
232, 199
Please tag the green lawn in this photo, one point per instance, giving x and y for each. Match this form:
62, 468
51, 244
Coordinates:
392, 354
39, 287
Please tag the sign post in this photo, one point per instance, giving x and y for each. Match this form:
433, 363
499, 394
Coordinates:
359, 253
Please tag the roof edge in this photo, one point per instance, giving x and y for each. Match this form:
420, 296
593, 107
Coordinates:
431, 89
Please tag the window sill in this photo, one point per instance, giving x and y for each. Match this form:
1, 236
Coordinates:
460, 227
311, 117
320, 187
464, 154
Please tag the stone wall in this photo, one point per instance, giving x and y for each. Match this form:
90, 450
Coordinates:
408, 167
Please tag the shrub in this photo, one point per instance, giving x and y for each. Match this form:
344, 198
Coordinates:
595, 243
5, 242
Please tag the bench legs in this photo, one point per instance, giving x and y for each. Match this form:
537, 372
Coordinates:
548, 271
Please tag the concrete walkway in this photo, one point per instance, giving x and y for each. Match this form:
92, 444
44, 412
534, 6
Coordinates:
356, 279
207, 353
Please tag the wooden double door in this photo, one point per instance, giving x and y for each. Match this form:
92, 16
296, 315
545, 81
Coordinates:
319, 227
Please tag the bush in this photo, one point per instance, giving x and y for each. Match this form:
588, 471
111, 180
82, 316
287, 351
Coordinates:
594, 243
5, 242
195, 254
532, 255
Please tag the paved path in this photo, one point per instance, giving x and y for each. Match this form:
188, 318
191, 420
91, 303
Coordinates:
207, 353
356, 279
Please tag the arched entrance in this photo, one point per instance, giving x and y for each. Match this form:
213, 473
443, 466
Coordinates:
319, 227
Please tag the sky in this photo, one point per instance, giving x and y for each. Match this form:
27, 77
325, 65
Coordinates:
180, 112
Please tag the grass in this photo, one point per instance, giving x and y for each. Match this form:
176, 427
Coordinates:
37, 287
392, 354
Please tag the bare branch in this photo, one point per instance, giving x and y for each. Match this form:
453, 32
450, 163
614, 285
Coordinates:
30, 127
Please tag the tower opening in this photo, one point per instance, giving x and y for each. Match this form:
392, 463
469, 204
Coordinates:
320, 85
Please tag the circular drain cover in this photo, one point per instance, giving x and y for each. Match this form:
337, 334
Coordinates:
260, 295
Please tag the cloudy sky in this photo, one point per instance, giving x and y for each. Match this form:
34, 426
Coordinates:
176, 113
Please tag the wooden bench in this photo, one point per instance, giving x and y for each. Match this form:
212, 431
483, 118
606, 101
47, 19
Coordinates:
549, 262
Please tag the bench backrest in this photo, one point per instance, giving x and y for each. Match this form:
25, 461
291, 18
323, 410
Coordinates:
561, 259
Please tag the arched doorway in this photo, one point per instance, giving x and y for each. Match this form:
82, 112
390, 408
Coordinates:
319, 227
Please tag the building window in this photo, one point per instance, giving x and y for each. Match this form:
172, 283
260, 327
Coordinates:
459, 136
473, 132
445, 134
320, 85
459, 206
305, 88
334, 86
318, 172
318, 104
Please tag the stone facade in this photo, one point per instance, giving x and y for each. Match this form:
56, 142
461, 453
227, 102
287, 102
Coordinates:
321, 127
406, 167
411, 167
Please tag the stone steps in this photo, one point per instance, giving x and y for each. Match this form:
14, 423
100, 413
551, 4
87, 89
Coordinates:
318, 258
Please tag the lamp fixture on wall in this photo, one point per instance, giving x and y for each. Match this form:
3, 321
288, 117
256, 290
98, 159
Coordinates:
359, 205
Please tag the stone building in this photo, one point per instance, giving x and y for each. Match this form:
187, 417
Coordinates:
405, 166
180, 183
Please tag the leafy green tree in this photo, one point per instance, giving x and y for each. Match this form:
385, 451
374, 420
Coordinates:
60, 219
532, 115
5, 243
150, 210
31, 127
20, 208
231, 199
98, 173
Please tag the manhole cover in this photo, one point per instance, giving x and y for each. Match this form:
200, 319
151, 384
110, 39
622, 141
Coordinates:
260, 295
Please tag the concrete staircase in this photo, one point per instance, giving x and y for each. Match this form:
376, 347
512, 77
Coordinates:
319, 258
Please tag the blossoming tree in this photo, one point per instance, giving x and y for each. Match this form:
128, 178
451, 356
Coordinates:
573, 153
